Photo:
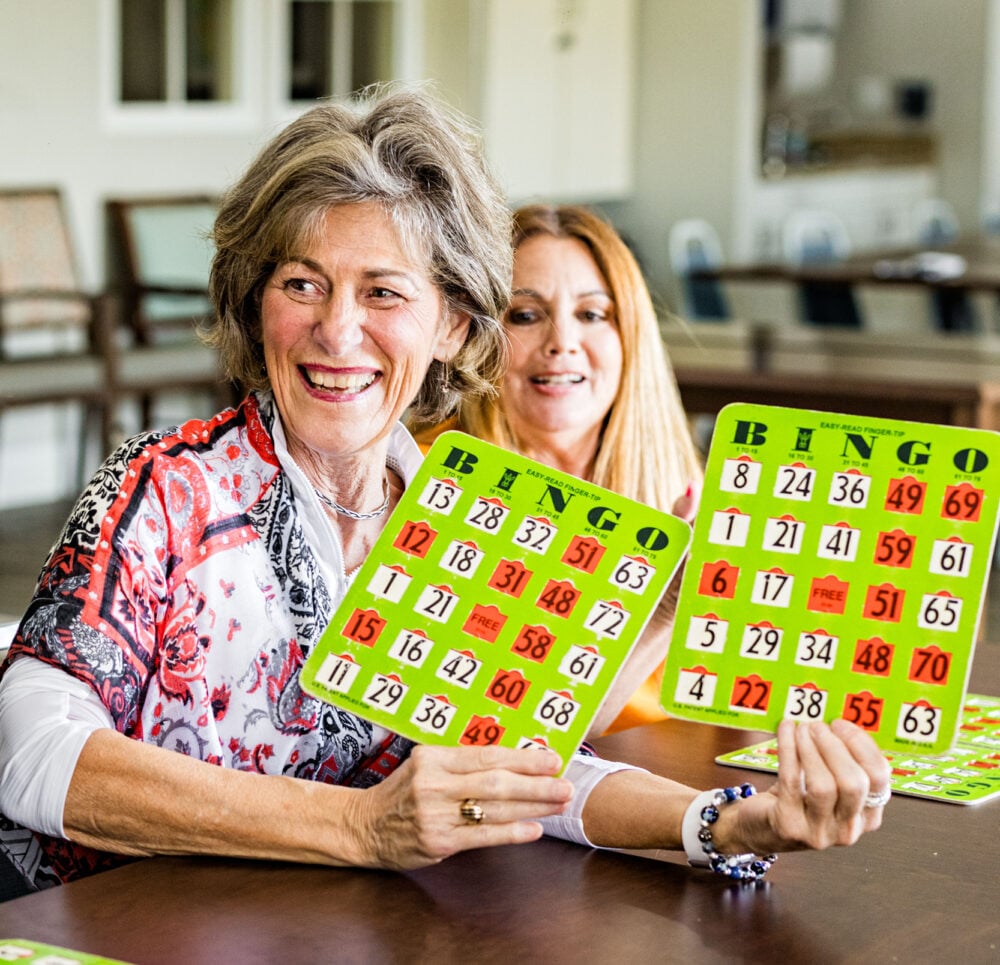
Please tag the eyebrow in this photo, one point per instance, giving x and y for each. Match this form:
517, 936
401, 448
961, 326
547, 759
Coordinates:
369, 273
530, 292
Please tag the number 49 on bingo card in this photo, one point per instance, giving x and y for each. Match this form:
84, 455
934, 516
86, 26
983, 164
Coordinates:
838, 569
498, 604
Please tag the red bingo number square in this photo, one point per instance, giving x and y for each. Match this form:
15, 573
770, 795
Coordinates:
364, 627
415, 539
558, 597
930, 665
905, 495
583, 553
508, 687
864, 709
718, 579
962, 502
481, 731
751, 693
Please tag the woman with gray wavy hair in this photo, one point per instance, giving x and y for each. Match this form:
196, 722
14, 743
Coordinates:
151, 703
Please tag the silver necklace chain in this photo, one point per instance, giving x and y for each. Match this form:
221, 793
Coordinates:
344, 511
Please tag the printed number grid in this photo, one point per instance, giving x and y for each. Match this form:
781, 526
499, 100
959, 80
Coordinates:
498, 604
838, 569
967, 773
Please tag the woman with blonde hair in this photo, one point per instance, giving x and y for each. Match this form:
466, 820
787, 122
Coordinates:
590, 391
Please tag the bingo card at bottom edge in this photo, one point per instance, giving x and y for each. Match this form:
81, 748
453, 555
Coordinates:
966, 773
37, 953
838, 569
498, 604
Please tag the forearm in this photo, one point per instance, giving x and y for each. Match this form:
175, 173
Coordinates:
133, 798
636, 810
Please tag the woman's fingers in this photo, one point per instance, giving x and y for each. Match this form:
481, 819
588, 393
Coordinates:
466, 760
827, 776
686, 507
526, 777
445, 800
871, 759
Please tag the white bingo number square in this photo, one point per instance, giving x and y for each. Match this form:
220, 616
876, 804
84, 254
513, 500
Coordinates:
740, 476
338, 673
440, 495
729, 528
696, 687
707, 634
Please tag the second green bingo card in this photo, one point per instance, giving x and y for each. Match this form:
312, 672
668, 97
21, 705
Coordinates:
838, 569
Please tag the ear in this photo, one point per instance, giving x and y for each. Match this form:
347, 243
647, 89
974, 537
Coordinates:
451, 336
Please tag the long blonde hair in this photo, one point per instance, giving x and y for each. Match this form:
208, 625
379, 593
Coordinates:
646, 450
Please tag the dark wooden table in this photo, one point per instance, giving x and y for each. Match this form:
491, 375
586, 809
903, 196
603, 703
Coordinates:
981, 254
973, 404
923, 889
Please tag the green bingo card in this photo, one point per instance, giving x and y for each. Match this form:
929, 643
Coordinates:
35, 953
497, 605
838, 569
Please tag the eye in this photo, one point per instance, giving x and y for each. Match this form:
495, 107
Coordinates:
594, 314
383, 294
523, 316
302, 289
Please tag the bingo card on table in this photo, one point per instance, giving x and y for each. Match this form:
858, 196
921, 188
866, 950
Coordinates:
497, 605
838, 569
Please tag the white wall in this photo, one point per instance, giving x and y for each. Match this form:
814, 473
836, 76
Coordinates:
990, 161
696, 134
944, 44
693, 99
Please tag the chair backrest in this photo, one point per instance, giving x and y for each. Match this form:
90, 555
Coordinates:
164, 255
694, 246
989, 216
814, 237
37, 259
817, 237
934, 222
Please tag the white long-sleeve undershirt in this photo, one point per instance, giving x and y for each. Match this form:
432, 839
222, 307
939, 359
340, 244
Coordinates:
47, 715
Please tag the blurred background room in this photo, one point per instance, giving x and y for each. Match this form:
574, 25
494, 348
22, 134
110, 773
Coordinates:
811, 186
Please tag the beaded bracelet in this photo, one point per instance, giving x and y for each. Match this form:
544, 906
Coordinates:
702, 813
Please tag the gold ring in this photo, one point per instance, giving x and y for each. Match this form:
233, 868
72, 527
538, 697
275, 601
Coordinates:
878, 799
471, 812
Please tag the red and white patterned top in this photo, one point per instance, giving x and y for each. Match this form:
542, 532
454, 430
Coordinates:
185, 590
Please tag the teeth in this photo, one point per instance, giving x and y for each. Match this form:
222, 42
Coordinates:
566, 379
353, 382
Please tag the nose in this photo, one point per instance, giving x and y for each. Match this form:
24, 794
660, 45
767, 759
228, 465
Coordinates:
563, 336
339, 325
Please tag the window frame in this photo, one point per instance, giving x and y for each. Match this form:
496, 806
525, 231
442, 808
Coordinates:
182, 116
407, 33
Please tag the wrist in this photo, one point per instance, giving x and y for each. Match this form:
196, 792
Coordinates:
698, 828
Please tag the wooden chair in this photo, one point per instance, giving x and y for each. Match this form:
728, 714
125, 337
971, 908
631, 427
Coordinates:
160, 256
54, 343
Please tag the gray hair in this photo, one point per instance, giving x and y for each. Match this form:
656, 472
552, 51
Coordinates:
401, 148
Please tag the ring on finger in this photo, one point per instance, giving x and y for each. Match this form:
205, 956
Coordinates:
471, 812
878, 799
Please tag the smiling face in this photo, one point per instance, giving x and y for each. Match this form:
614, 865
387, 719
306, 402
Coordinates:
566, 352
349, 328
